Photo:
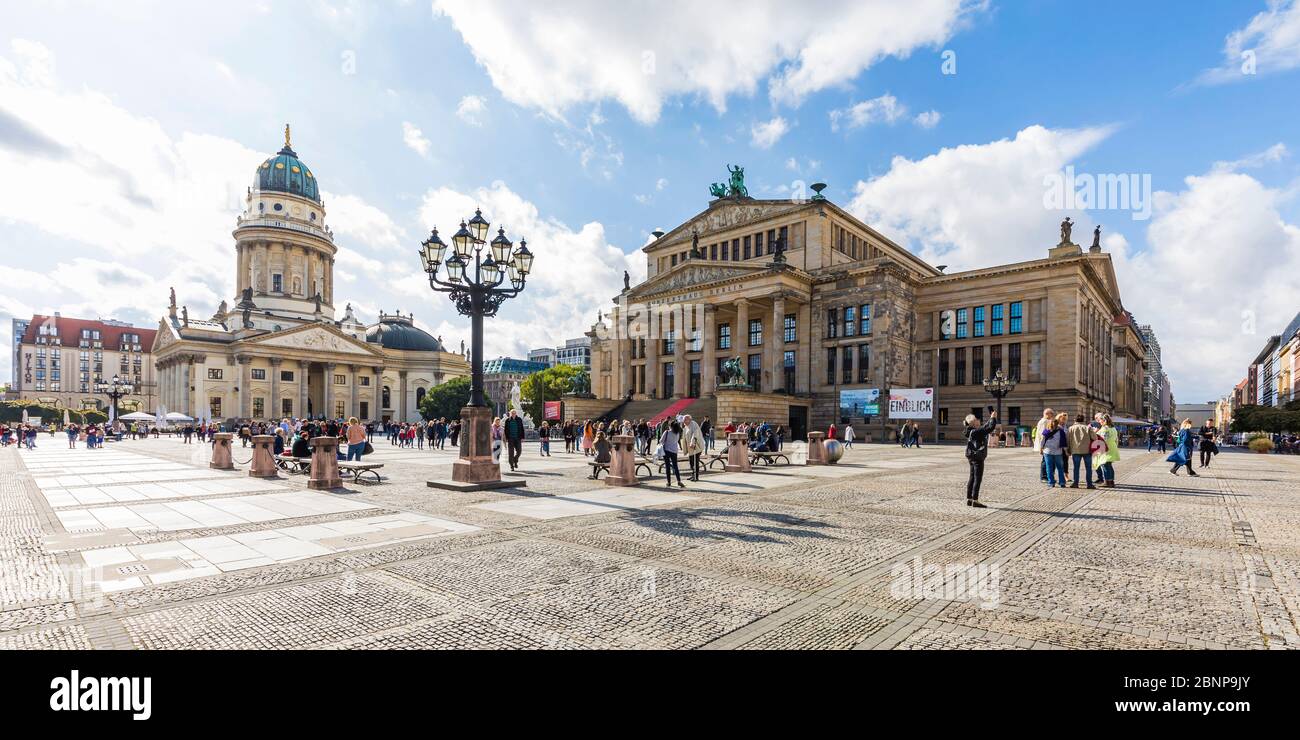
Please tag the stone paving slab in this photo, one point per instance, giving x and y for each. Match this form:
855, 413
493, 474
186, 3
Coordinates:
831, 557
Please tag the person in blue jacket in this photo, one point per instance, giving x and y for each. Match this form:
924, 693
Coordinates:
1182, 454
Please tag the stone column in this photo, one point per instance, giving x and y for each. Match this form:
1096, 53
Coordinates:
740, 335
622, 463
377, 395
816, 448
681, 373
201, 405
709, 373
221, 452
653, 344
274, 411
304, 369
804, 359
401, 403
327, 397
324, 464
625, 383
245, 394
355, 390
263, 459
776, 343
738, 453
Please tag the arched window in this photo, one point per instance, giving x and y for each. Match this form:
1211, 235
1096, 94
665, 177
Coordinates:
419, 396
387, 398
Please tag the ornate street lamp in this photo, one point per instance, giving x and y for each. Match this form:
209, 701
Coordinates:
116, 390
999, 387
476, 284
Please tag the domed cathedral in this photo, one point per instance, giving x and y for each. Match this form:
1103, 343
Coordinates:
277, 349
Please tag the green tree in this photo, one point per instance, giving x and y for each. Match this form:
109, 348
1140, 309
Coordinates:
547, 385
446, 400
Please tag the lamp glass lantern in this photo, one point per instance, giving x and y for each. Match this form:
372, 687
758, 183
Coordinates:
491, 271
501, 247
455, 268
463, 240
434, 249
478, 226
524, 258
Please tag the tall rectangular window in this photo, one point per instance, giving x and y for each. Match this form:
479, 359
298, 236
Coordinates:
831, 354
995, 359
277, 286
713, 251
832, 323
996, 328
259, 408
848, 364
745, 248
789, 330
1017, 316
755, 370
726, 253
850, 321
865, 318
724, 336
979, 321
697, 342
735, 249
976, 364
961, 366
755, 332
864, 362
962, 317
670, 343
1013, 361
787, 368
943, 367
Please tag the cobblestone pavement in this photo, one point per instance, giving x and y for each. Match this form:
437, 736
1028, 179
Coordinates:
141, 545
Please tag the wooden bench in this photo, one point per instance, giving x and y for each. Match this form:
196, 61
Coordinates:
293, 464
768, 458
357, 469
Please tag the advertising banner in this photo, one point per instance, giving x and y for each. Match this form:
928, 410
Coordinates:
858, 403
911, 403
551, 411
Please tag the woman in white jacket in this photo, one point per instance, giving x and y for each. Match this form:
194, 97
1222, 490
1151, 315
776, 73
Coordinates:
692, 444
848, 435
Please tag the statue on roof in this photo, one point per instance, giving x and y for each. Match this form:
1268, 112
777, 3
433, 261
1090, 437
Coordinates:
626, 280
173, 299
1096, 239
185, 315
737, 189
1066, 227
695, 246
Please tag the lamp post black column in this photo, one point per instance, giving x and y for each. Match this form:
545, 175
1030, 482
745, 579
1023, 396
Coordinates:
477, 296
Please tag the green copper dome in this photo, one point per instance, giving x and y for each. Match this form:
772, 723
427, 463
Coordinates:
285, 173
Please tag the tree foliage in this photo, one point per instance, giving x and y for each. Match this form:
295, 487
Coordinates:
547, 385
12, 411
1253, 418
446, 400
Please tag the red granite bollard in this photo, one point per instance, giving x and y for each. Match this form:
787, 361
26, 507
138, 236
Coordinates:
816, 448
622, 462
263, 458
221, 452
324, 464
738, 453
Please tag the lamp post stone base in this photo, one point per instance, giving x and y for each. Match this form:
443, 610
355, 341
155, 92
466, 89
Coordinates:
475, 470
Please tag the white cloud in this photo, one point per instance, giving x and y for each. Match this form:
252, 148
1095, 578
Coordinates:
927, 119
551, 57
976, 204
471, 109
1221, 235
884, 109
766, 133
661, 183
415, 139
1269, 43
353, 217
576, 271
1271, 155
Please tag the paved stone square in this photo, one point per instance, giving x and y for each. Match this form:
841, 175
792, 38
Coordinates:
141, 545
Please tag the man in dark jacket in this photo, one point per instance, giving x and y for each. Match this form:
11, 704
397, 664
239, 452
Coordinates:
977, 448
514, 434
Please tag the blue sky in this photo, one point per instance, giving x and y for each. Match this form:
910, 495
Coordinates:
128, 133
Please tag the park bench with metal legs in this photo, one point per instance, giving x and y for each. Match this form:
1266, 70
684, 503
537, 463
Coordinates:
768, 458
358, 469
293, 464
597, 467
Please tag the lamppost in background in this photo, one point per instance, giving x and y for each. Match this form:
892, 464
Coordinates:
116, 390
999, 387
476, 294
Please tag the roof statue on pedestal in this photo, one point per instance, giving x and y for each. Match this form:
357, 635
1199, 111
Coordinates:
1066, 227
626, 280
1096, 239
185, 315
734, 187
